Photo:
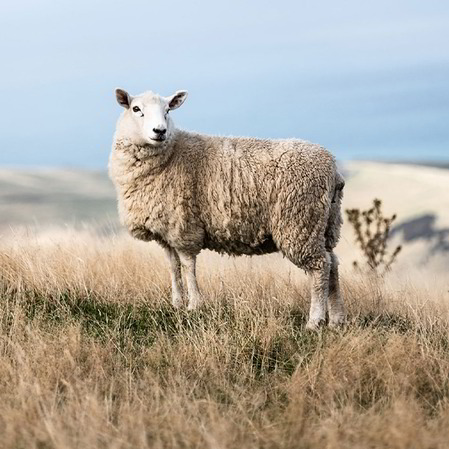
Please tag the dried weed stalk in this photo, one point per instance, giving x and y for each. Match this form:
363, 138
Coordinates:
372, 230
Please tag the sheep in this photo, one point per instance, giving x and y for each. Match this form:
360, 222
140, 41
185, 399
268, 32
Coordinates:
235, 195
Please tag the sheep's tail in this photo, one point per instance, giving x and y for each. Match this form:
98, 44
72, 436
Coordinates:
335, 219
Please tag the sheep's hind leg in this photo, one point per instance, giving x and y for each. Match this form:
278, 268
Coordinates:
189, 267
319, 296
337, 315
176, 277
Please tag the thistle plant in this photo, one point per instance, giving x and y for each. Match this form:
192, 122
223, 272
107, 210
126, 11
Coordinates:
371, 235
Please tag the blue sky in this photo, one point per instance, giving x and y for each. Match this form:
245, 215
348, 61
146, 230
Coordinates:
369, 80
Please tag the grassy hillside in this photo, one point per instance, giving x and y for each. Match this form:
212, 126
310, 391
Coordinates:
93, 355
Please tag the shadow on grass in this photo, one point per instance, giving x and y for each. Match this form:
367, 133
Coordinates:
103, 320
386, 322
142, 321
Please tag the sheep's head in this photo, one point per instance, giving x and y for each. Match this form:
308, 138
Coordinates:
146, 118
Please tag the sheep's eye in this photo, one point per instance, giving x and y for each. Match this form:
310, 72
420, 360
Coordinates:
136, 109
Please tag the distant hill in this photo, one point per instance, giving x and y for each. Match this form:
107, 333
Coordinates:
56, 197
419, 195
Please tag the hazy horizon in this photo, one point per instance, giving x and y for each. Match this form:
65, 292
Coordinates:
368, 82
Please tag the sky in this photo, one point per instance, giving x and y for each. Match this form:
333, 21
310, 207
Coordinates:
368, 80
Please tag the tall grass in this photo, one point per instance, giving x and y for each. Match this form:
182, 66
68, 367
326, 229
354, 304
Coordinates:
93, 355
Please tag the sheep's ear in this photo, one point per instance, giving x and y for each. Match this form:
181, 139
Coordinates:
123, 98
177, 99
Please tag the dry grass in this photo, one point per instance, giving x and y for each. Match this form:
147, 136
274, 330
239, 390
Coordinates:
93, 355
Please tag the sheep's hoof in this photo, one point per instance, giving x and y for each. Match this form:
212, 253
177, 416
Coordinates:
192, 307
315, 325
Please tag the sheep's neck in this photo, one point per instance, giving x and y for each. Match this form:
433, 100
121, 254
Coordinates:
142, 160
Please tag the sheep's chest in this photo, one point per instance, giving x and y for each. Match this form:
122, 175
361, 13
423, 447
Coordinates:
155, 211
145, 212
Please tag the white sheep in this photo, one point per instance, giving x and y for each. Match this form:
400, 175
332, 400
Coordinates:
234, 195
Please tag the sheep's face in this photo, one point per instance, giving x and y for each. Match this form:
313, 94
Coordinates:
146, 118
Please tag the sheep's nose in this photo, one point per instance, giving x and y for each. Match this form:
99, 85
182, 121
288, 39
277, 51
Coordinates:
160, 131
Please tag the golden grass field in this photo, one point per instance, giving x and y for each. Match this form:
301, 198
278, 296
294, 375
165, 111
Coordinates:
92, 355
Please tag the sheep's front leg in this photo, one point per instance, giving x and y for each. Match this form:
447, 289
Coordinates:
189, 267
320, 292
176, 277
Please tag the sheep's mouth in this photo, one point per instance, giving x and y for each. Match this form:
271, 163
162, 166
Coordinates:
158, 139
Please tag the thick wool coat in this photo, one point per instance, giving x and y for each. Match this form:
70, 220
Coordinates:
230, 194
